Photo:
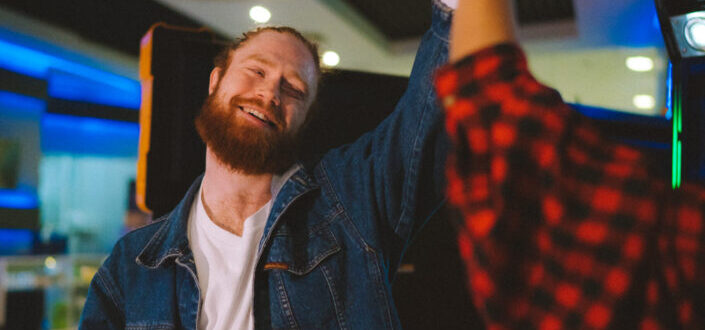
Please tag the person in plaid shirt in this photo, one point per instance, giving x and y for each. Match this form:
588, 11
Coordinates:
562, 228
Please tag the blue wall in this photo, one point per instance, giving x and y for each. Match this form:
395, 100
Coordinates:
76, 170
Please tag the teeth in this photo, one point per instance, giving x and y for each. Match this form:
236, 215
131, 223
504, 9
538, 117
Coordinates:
256, 113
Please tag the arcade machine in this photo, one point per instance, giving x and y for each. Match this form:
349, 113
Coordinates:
683, 28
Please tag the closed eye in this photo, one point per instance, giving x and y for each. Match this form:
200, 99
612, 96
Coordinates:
293, 91
257, 71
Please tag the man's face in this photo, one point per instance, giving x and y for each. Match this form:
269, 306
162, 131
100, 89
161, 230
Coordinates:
258, 104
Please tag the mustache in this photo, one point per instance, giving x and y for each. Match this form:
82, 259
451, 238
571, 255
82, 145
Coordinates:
273, 113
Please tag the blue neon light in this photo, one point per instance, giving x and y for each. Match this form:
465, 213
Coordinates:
75, 88
15, 241
83, 135
21, 103
18, 199
113, 89
669, 91
23, 60
36, 64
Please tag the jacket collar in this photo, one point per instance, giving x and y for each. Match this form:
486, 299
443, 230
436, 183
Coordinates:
300, 183
171, 239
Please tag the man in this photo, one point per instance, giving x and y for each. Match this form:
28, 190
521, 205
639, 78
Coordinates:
260, 241
563, 228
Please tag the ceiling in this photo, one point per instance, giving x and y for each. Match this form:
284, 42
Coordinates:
381, 36
118, 25
395, 19
369, 34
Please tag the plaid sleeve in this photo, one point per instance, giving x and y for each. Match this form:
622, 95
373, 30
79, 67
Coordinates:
563, 228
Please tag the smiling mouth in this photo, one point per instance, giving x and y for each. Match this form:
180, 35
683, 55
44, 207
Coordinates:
258, 115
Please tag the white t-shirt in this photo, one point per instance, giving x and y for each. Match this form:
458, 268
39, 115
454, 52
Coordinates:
453, 4
225, 264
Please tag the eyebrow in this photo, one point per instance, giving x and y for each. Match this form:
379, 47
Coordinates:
267, 62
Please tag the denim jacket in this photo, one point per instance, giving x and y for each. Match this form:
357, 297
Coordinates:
333, 240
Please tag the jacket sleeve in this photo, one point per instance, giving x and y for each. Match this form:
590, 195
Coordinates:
101, 310
563, 227
391, 179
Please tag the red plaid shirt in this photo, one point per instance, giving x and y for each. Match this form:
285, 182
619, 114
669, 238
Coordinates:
563, 228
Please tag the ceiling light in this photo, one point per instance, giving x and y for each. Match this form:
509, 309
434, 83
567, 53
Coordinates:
260, 14
644, 101
695, 33
640, 63
331, 58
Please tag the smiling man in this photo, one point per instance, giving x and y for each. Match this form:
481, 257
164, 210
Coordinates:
266, 240
260, 92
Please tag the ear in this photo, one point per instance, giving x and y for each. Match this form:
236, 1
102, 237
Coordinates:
216, 75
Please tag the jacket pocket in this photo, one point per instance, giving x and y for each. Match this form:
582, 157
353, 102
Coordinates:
303, 289
300, 253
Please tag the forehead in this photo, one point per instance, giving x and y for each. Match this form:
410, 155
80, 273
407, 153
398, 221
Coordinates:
281, 49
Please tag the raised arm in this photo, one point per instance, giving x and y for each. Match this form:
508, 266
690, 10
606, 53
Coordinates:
478, 24
391, 180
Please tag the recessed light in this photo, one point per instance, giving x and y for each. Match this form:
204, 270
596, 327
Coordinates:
260, 14
644, 101
331, 58
640, 63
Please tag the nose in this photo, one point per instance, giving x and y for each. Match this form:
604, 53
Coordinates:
268, 92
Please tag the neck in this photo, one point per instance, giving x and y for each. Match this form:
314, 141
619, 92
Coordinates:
230, 196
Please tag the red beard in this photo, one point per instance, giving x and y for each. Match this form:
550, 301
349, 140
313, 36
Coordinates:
242, 146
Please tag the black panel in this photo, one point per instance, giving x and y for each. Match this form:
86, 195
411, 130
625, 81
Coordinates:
116, 24
21, 84
181, 65
544, 11
689, 77
24, 310
84, 109
19, 218
396, 19
349, 104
